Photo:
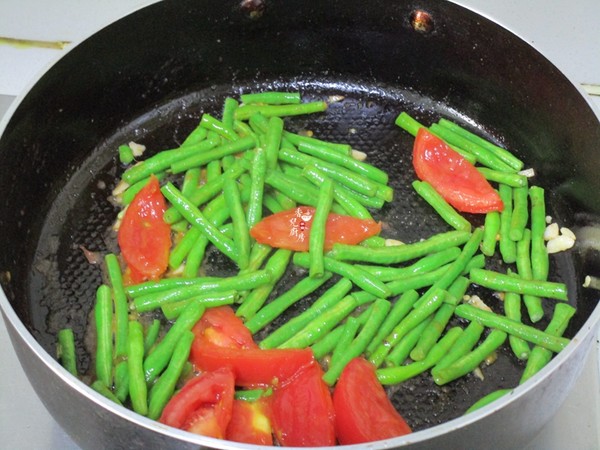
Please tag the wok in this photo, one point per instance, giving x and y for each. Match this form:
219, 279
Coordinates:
149, 76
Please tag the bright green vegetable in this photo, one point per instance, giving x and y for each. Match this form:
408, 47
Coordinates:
316, 240
138, 392
501, 282
65, 350
103, 314
441, 206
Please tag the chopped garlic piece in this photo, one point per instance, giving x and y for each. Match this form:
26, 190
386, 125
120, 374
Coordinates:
358, 155
528, 172
567, 232
393, 242
591, 282
475, 300
479, 373
137, 149
491, 358
559, 244
335, 98
120, 188
551, 231
548, 219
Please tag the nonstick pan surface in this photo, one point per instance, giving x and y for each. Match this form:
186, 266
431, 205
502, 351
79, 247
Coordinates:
63, 139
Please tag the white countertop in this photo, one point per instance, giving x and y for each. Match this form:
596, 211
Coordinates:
567, 33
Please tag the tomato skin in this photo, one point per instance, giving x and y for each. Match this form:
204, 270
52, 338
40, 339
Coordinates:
144, 237
204, 404
221, 327
252, 366
290, 229
250, 423
363, 412
302, 411
452, 176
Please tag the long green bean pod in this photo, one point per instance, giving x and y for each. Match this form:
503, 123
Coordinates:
532, 303
539, 254
463, 345
441, 206
316, 239
241, 239
138, 392
65, 350
257, 187
512, 310
213, 124
103, 313
486, 400
271, 98
491, 232
508, 248
520, 213
401, 350
502, 282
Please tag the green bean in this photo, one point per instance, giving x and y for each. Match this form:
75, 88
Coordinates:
374, 242
202, 158
243, 129
272, 204
153, 287
257, 187
103, 313
423, 265
329, 342
410, 125
125, 154
273, 142
66, 350
148, 302
276, 267
500, 152
163, 160
130, 193
303, 193
398, 374
483, 155
227, 117
191, 180
401, 350
502, 282
436, 327
241, 238
508, 248
316, 238
520, 213
369, 202
172, 311
193, 215
205, 193
163, 389
342, 175
441, 206
252, 395
183, 247
512, 310
514, 180
322, 324
151, 335
194, 258
400, 253
159, 357
246, 111
357, 346
539, 254
487, 399
296, 139
358, 276
213, 124
138, 392
531, 334
463, 345
532, 303
325, 302
271, 98
101, 389
399, 310
540, 356
344, 160
491, 231
197, 134
470, 361
349, 329
277, 306
415, 317
350, 204
213, 171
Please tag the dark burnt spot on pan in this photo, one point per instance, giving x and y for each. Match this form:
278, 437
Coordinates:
63, 282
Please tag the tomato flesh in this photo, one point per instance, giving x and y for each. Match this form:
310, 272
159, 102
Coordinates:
144, 237
302, 411
291, 229
452, 176
204, 404
250, 423
221, 327
363, 412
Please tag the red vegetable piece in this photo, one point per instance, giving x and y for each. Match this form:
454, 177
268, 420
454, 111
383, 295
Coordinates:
144, 237
363, 412
252, 366
250, 423
302, 411
452, 176
221, 327
290, 229
204, 404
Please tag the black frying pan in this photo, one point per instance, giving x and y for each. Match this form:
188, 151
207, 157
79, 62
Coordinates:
149, 77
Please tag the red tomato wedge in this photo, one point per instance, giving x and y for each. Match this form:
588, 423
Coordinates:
252, 366
302, 411
144, 237
452, 176
363, 412
221, 327
204, 404
250, 423
290, 229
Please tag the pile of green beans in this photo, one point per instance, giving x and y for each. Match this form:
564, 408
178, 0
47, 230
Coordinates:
398, 306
